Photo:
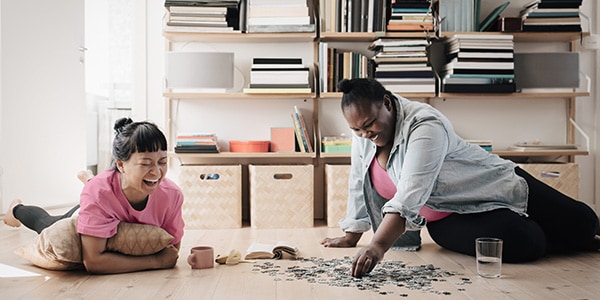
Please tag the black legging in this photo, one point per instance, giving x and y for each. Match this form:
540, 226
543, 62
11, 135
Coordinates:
36, 218
556, 224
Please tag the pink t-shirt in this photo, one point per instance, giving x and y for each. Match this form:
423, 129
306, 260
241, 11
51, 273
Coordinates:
385, 188
103, 206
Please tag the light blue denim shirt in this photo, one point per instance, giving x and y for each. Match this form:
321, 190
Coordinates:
431, 165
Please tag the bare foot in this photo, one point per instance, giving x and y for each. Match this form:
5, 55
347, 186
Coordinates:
85, 176
9, 218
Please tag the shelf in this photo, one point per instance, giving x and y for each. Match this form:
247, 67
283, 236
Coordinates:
334, 155
238, 37
365, 36
513, 95
533, 37
235, 155
504, 153
404, 35
338, 95
200, 96
349, 36
509, 153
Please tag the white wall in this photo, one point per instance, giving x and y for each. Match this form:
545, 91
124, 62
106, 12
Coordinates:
43, 107
1, 151
155, 51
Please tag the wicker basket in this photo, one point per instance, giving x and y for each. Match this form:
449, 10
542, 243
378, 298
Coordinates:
281, 196
561, 176
213, 196
336, 181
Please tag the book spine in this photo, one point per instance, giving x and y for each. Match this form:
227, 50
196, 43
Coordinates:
298, 134
305, 136
301, 130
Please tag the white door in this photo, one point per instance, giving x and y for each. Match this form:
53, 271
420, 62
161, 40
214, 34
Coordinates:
42, 101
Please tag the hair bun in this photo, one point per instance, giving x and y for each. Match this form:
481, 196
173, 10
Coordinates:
122, 122
345, 86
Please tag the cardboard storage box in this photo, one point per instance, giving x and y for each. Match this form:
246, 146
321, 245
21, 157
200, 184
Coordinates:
281, 196
336, 192
561, 176
212, 196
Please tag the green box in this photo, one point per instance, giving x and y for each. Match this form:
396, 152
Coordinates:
337, 148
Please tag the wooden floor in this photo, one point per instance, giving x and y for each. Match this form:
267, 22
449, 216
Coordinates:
572, 277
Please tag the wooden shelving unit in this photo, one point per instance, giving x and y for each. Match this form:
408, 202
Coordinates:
320, 158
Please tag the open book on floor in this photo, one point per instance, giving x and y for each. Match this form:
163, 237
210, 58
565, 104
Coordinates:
277, 251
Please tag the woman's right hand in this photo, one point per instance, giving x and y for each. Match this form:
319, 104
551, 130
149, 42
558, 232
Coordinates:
348, 241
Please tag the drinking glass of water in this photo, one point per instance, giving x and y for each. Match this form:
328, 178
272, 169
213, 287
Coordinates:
489, 257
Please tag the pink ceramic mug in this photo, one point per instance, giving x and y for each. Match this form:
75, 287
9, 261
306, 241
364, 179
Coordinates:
201, 257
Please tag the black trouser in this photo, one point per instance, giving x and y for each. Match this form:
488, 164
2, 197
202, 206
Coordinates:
36, 218
556, 224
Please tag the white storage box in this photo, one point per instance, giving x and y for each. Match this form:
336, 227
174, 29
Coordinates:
212, 196
281, 196
336, 191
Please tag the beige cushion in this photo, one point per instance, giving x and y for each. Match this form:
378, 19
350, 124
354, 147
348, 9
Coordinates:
58, 247
138, 239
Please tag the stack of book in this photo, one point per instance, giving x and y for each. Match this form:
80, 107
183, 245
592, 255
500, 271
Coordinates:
551, 15
410, 15
205, 16
278, 16
196, 143
278, 75
479, 63
401, 65
302, 136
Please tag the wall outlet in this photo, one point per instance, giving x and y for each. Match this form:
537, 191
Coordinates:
591, 42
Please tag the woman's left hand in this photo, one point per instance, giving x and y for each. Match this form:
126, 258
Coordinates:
167, 257
366, 259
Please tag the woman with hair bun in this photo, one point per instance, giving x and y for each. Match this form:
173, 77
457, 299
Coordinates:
133, 190
408, 154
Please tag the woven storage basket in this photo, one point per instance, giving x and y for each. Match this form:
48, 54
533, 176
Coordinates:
336, 181
561, 176
281, 196
210, 202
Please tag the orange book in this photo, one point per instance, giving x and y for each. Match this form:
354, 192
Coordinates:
282, 139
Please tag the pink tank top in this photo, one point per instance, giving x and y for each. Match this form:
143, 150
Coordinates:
385, 188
